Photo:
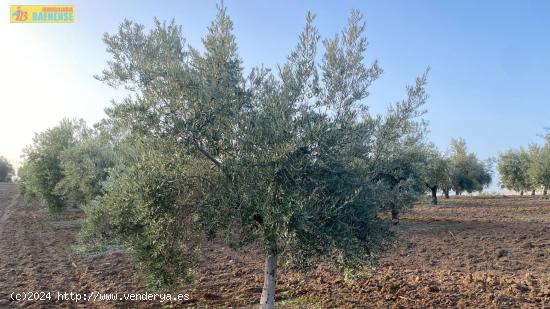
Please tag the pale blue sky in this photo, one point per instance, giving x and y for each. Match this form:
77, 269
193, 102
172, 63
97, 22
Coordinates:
490, 62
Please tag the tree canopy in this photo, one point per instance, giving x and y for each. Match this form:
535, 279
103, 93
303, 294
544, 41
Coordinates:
42, 170
539, 170
6, 170
289, 158
437, 172
521, 170
468, 172
513, 167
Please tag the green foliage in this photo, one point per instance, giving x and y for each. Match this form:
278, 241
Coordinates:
6, 170
513, 167
540, 168
437, 172
22, 183
42, 170
292, 159
522, 170
85, 166
66, 165
398, 177
468, 172
151, 207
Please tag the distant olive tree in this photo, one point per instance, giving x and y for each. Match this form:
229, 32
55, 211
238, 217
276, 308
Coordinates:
540, 165
290, 159
42, 170
6, 170
468, 173
513, 168
85, 167
437, 172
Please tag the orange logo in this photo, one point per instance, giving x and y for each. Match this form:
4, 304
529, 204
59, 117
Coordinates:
20, 15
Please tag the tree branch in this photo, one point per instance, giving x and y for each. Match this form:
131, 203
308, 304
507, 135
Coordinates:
207, 154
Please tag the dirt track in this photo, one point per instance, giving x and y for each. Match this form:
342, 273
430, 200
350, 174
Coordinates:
465, 253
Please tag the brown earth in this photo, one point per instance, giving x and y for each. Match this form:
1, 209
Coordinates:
468, 252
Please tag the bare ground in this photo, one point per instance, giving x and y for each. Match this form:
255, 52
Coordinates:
465, 253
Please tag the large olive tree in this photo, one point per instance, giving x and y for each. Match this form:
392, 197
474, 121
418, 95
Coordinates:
290, 159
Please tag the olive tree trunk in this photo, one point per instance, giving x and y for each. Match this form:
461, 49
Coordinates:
545, 190
395, 216
446, 191
434, 195
268, 292
521, 193
533, 192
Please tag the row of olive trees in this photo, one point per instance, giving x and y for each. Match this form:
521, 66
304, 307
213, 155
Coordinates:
288, 159
6, 170
65, 165
526, 170
458, 170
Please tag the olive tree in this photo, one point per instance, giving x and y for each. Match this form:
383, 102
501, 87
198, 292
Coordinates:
151, 205
290, 159
468, 173
85, 166
540, 167
437, 172
42, 169
513, 168
6, 170
399, 157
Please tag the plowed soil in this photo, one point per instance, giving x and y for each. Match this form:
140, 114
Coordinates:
467, 252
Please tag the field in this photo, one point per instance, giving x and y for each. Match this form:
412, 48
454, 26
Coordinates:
468, 252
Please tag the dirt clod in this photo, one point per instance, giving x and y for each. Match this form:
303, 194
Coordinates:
502, 253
